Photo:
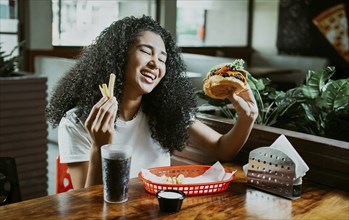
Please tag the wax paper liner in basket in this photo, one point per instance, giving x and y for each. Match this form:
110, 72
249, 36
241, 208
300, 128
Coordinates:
188, 189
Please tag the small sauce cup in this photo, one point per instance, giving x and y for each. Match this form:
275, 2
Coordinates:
170, 200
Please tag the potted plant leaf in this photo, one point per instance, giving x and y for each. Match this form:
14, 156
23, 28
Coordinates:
23, 128
319, 107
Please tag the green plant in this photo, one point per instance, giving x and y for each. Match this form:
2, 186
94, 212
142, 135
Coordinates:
8, 62
319, 103
319, 107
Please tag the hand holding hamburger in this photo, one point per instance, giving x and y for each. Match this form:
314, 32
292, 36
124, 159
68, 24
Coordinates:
225, 79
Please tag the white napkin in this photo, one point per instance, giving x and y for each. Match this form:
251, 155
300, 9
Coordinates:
286, 147
215, 173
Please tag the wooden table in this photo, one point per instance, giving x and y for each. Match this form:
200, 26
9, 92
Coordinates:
238, 202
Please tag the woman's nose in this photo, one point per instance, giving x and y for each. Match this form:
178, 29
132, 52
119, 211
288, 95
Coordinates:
153, 64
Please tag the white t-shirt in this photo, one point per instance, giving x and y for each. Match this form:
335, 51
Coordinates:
75, 143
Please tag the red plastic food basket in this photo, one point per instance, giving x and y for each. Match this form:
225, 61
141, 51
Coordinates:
188, 189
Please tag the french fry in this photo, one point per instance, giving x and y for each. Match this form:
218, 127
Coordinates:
111, 85
101, 89
105, 90
172, 180
108, 91
169, 180
163, 179
180, 179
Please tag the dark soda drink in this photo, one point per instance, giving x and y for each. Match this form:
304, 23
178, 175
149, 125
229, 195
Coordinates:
116, 174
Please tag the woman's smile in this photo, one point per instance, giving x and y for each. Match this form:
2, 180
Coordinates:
150, 77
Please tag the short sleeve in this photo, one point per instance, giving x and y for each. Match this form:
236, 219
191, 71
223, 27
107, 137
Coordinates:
73, 140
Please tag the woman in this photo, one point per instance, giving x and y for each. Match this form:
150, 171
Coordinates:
152, 109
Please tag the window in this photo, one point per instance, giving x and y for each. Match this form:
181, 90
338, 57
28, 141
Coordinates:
212, 23
8, 26
190, 25
199, 23
79, 22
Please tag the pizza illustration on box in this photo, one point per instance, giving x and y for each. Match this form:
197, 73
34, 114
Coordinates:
333, 24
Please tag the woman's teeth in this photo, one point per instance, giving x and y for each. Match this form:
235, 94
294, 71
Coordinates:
147, 74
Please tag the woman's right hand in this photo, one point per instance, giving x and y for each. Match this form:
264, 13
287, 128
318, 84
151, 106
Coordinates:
100, 122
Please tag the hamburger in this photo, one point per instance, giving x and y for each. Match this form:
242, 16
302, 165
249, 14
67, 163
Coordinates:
224, 79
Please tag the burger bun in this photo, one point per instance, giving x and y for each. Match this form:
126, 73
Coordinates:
219, 87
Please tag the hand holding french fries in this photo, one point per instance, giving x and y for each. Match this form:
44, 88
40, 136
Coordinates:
101, 120
108, 91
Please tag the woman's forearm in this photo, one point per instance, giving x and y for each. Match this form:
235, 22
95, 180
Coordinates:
94, 174
232, 142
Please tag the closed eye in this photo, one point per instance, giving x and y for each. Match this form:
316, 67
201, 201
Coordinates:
147, 52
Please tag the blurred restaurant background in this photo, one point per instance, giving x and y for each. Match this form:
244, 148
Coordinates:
272, 36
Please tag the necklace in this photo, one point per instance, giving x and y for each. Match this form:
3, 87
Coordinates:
134, 116
119, 121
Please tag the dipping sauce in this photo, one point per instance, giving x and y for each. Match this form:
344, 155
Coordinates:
170, 195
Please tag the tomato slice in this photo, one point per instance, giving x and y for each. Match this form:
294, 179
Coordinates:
221, 70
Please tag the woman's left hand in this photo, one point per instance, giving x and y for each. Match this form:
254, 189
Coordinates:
245, 104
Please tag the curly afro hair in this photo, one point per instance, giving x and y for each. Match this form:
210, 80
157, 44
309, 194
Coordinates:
169, 107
